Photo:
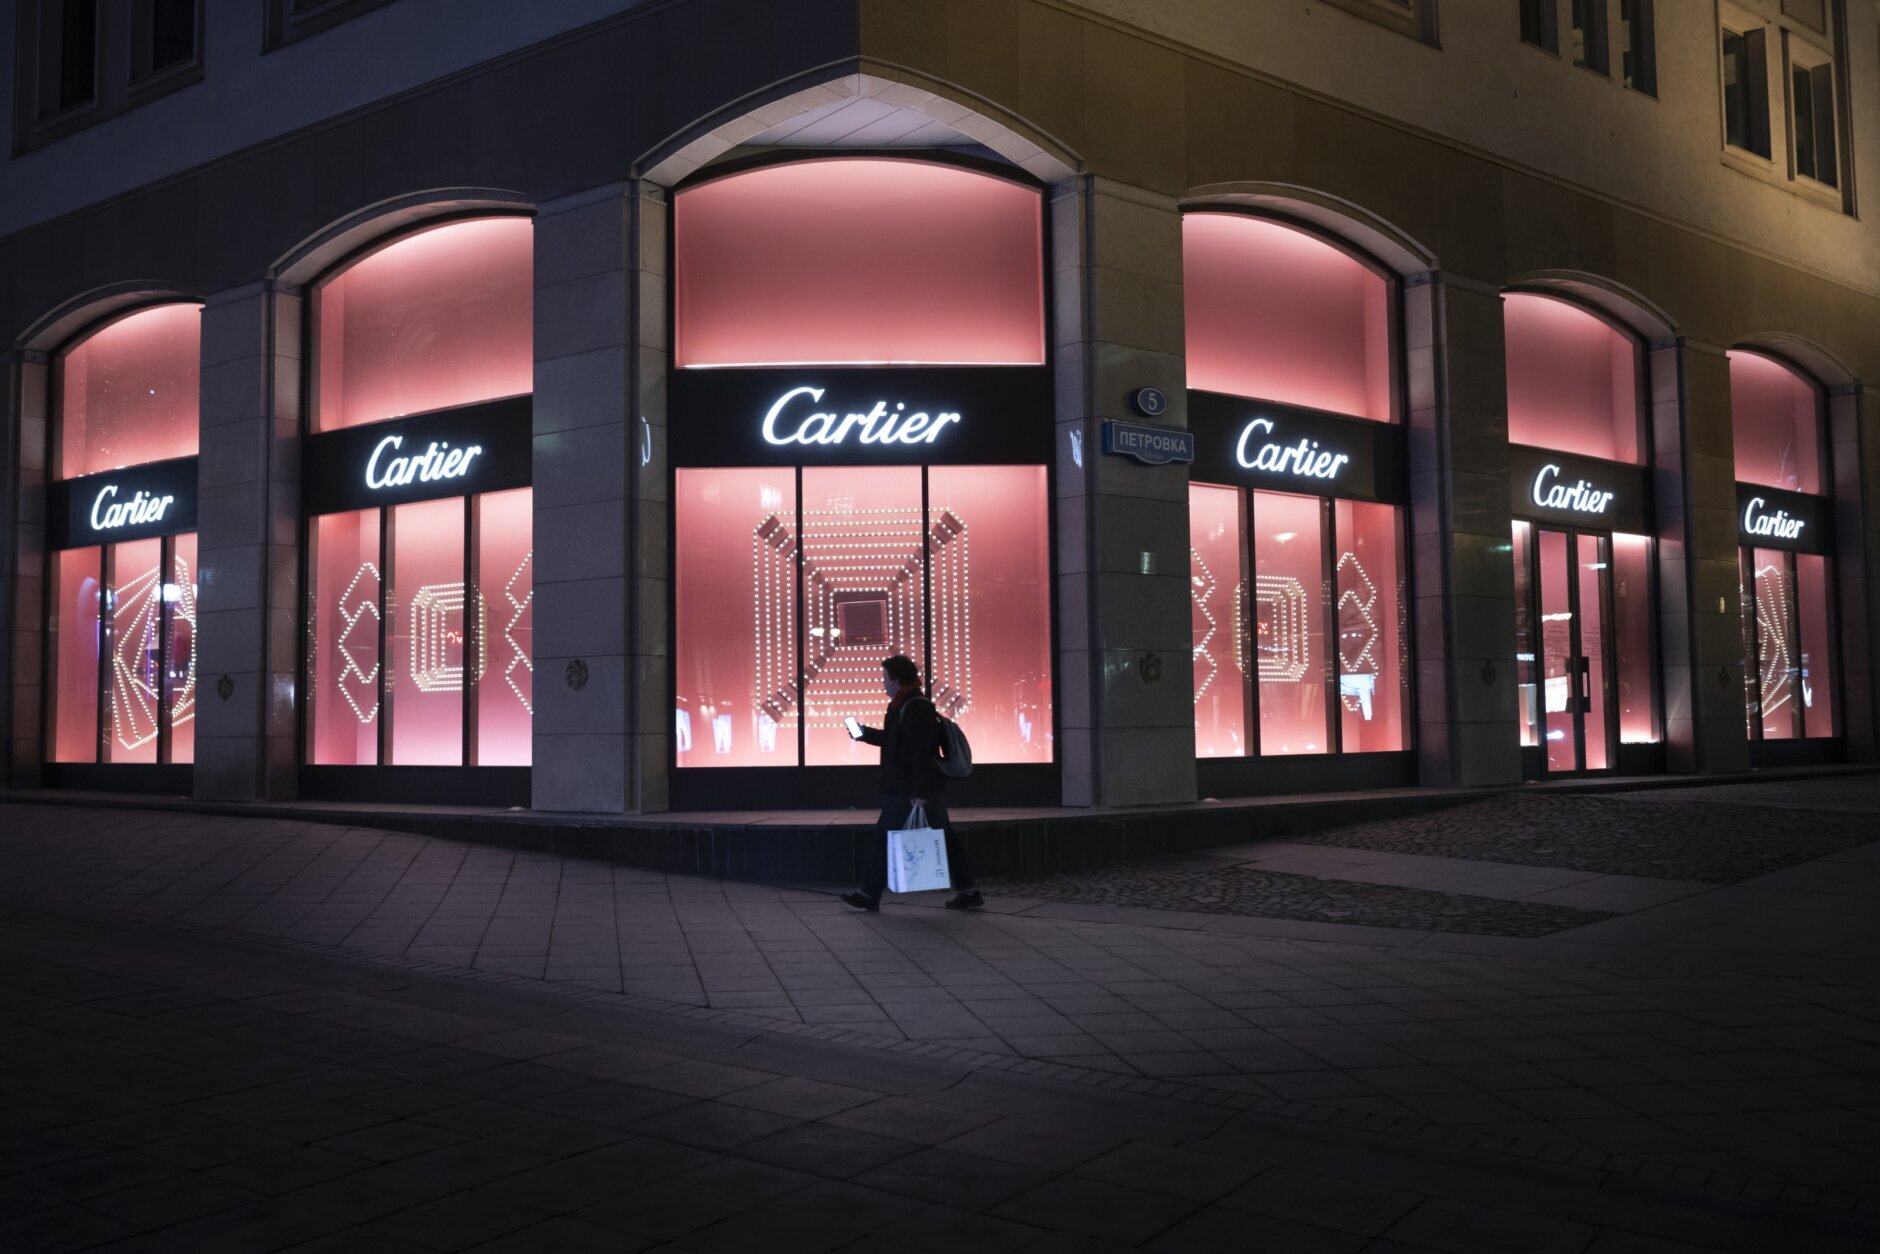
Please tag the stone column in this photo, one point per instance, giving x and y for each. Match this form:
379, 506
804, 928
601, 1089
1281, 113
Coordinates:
1699, 617
1125, 649
248, 546
600, 502
1461, 532
24, 386
1854, 433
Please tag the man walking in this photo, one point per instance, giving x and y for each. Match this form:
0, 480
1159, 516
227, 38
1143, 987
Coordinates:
910, 776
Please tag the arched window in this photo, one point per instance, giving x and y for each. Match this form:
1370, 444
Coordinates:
419, 604
1775, 417
1573, 380
121, 606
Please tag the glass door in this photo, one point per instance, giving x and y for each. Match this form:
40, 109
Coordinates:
1575, 588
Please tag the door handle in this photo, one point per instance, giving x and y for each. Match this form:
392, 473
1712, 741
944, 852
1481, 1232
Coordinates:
1585, 667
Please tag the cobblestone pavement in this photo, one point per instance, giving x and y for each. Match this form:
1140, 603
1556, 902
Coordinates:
170, 1089
1718, 841
1222, 886
1858, 793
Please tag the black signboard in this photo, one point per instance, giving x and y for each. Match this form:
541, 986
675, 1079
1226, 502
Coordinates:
1769, 518
154, 499
1578, 491
1288, 449
455, 452
861, 415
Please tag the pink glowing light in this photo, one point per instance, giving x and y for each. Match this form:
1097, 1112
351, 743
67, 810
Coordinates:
1276, 314
1776, 416
1572, 380
1216, 536
858, 261
128, 393
441, 318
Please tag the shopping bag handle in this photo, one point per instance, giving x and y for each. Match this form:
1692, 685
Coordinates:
916, 817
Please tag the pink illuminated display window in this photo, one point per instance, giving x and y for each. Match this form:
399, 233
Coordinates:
1573, 381
1311, 645
858, 261
437, 319
127, 393
73, 621
123, 650
1633, 639
1217, 538
1788, 640
792, 585
1527, 675
1776, 417
409, 662
1277, 314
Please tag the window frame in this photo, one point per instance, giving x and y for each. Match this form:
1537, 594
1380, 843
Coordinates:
121, 79
1805, 57
1546, 20
1642, 34
1415, 19
1595, 51
290, 21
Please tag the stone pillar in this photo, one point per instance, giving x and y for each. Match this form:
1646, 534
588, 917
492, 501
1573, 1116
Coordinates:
1854, 433
248, 546
1125, 649
1700, 622
25, 379
1461, 533
601, 742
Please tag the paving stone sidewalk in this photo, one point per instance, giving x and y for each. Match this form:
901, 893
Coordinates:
172, 1090
1774, 1082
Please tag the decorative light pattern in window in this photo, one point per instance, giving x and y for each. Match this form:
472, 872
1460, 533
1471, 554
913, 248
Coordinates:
1788, 635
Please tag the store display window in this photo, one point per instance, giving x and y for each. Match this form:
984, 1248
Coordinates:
1573, 379
1785, 530
122, 578
860, 425
1296, 560
420, 583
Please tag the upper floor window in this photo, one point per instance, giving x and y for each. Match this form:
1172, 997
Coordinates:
1589, 34
1540, 24
432, 320
1277, 314
1415, 18
291, 20
1811, 108
1775, 417
858, 261
1782, 85
127, 393
1746, 91
81, 62
1573, 380
1638, 46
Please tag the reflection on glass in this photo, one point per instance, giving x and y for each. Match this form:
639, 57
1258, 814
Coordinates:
1595, 681
1746, 614
440, 318
343, 640
1632, 639
1527, 687
428, 633
1373, 677
1778, 668
1820, 715
735, 592
134, 643
179, 668
505, 578
991, 644
128, 393
1559, 666
1291, 651
1217, 593
73, 624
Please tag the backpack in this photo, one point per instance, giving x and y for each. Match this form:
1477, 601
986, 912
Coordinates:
956, 757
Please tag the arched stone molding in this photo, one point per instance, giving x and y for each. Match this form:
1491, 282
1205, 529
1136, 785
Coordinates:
325, 248
88, 308
972, 116
1330, 215
1630, 310
1820, 364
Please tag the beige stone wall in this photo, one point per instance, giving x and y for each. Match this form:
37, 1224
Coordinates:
1500, 159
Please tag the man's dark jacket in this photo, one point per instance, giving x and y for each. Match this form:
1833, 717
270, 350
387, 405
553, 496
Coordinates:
910, 742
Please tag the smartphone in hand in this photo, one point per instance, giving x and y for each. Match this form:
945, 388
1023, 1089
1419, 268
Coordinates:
854, 728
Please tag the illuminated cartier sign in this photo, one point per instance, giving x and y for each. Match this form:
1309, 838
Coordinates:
1305, 458
880, 425
1581, 498
1779, 524
140, 509
439, 461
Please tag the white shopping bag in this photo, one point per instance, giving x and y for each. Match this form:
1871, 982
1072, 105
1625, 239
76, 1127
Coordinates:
917, 856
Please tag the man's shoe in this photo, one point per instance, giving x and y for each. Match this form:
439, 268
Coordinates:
862, 901
969, 900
